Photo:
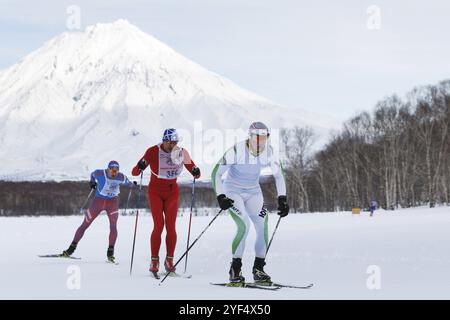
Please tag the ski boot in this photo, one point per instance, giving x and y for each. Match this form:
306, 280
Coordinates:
67, 253
168, 264
110, 254
235, 271
154, 267
259, 275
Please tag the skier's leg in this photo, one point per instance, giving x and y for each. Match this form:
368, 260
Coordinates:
156, 207
113, 215
240, 217
91, 213
258, 214
170, 210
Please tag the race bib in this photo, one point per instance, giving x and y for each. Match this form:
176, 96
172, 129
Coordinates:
111, 189
170, 164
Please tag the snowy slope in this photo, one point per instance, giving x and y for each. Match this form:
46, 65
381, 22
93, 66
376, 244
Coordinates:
84, 98
333, 250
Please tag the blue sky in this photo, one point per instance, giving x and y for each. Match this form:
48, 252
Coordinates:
317, 55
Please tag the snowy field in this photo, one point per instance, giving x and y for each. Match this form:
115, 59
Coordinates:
333, 250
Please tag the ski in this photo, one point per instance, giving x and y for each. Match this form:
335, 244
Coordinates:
112, 262
271, 283
178, 275
292, 286
249, 285
172, 274
275, 284
60, 255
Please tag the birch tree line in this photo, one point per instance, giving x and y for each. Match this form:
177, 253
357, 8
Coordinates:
398, 155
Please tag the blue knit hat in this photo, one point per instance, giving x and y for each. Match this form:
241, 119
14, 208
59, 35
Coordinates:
170, 135
113, 164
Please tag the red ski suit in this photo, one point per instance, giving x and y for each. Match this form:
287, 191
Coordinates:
163, 193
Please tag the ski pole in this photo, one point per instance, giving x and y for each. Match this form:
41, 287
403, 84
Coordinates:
190, 221
193, 243
273, 234
128, 200
85, 201
136, 223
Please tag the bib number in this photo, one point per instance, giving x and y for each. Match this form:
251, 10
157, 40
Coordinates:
172, 174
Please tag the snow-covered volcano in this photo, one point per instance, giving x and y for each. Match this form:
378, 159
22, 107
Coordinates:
84, 98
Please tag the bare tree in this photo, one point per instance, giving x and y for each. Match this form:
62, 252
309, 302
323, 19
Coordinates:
297, 143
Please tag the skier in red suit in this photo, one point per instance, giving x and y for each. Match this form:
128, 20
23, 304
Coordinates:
166, 161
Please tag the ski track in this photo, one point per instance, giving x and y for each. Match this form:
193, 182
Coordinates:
331, 250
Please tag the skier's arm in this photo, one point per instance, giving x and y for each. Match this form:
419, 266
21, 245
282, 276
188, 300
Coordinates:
222, 166
216, 177
142, 164
93, 181
228, 159
224, 202
277, 171
190, 165
92, 176
126, 182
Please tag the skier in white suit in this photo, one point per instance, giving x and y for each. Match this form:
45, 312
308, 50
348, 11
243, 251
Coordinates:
240, 193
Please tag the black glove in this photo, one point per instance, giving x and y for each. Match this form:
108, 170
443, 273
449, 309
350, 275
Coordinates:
283, 208
142, 164
196, 172
93, 184
134, 184
224, 202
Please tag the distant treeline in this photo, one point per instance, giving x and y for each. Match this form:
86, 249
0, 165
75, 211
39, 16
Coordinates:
398, 155
67, 197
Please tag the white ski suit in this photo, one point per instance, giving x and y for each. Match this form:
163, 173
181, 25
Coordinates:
241, 184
